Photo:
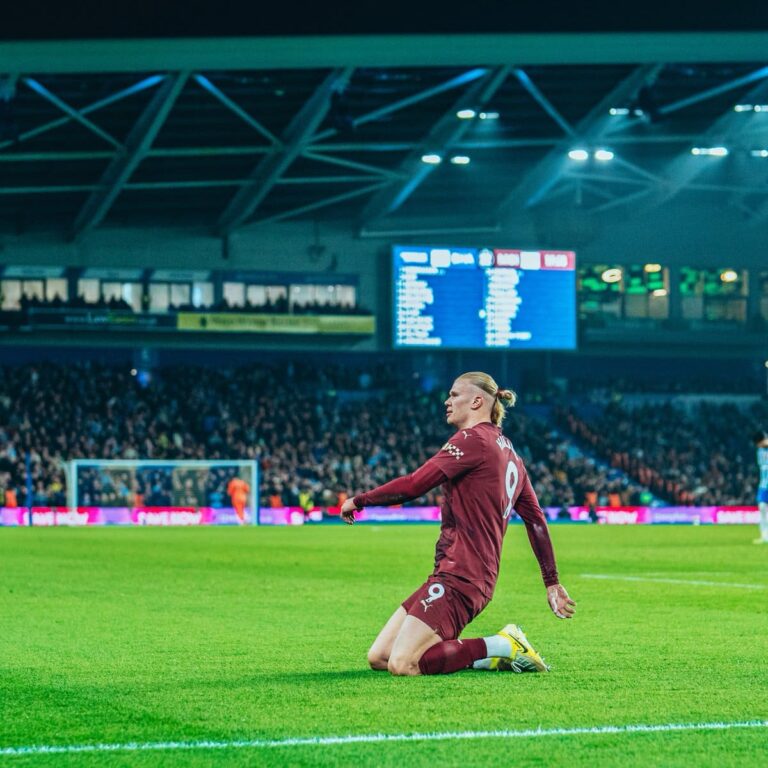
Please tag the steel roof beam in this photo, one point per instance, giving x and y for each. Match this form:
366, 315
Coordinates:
212, 54
455, 82
124, 163
685, 168
231, 105
41, 90
324, 203
548, 172
543, 101
444, 134
294, 140
147, 82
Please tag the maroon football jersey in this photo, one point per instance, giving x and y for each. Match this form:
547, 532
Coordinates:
486, 482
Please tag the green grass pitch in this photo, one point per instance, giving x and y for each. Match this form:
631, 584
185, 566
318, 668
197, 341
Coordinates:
184, 635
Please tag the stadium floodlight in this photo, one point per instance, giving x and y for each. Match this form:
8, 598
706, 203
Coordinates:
615, 111
466, 114
603, 155
611, 275
659, 292
165, 492
711, 151
431, 159
652, 267
579, 154
759, 152
729, 276
743, 108
460, 160
489, 115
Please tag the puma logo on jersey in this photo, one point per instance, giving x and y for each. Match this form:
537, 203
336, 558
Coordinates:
450, 448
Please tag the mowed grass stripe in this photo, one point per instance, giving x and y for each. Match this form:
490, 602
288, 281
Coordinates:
144, 636
374, 738
685, 582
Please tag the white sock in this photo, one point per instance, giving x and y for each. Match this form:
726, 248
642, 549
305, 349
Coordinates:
482, 664
498, 645
763, 507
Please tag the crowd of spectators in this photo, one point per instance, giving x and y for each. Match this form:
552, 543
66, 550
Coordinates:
322, 431
696, 455
279, 306
318, 432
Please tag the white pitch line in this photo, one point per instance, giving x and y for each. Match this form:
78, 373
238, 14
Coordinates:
691, 582
375, 738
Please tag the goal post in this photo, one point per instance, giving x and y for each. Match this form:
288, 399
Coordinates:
165, 491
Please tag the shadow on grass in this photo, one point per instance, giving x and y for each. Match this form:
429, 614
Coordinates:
344, 675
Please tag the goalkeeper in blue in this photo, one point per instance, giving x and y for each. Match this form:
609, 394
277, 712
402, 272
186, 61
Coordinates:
761, 442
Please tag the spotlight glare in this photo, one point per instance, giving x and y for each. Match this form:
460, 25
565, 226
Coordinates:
466, 114
729, 276
612, 275
660, 292
618, 111
603, 155
711, 151
489, 115
652, 267
460, 160
431, 159
743, 108
578, 154
759, 152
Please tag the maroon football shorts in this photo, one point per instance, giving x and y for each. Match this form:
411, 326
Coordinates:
446, 604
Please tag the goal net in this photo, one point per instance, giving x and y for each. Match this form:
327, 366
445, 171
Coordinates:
163, 492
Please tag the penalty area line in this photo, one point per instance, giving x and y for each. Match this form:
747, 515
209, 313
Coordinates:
688, 582
376, 738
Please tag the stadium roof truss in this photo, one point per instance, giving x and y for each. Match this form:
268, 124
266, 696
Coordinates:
394, 138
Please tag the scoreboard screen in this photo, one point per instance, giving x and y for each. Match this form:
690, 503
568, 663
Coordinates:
484, 298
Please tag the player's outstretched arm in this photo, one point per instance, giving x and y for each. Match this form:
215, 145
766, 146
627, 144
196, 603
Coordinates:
425, 478
562, 605
527, 506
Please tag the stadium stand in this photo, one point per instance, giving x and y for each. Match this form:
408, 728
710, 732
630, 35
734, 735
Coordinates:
700, 454
319, 431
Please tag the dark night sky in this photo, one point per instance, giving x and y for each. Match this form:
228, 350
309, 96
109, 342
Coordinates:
46, 19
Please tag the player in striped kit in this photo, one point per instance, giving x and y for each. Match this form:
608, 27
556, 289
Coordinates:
761, 442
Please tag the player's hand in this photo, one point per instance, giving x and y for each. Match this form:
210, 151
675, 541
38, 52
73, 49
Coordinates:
562, 605
348, 510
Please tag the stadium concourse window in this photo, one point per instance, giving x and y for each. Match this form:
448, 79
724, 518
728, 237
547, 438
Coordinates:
646, 291
764, 295
303, 297
255, 297
610, 293
165, 297
124, 295
714, 295
17, 293
110, 293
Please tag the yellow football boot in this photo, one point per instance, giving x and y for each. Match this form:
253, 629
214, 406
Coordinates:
523, 658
